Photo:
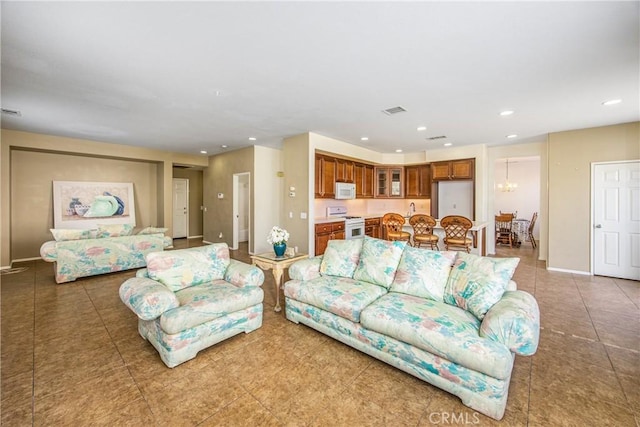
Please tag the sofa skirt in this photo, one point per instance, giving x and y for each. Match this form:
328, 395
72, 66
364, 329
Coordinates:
478, 391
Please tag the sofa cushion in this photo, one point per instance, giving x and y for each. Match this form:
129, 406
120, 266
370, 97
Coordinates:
114, 230
153, 230
379, 260
438, 328
202, 303
476, 283
63, 234
423, 272
341, 258
341, 296
188, 267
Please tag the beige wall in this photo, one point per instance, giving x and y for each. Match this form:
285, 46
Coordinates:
29, 163
195, 198
570, 157
296, 163
218, 178
266, 205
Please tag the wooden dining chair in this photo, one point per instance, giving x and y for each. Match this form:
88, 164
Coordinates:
530, 230
504, 229
456, 228
514, 214
393, 222
423, 231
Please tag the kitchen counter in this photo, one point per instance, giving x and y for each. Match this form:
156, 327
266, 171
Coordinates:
325, 219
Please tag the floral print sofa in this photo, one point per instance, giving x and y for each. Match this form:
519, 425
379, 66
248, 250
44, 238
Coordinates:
444, 317
82, 253
189, 299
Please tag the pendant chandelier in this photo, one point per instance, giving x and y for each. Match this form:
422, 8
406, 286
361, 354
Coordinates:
507, 186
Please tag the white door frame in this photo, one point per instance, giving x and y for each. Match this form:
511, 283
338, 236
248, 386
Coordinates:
592, 213
236, 208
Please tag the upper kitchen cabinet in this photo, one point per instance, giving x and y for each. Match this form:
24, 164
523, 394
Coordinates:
344, 171
364, 180
389, 182
452, 170
417, 181
325, 179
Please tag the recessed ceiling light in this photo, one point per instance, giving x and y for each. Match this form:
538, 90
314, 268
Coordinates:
448, 144
513, 135
612, 102
506, 113
224, 146
421, 128
399, 150
252, 138
203, 152
364, 138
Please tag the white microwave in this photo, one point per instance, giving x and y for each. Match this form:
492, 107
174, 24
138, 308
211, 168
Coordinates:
345, 190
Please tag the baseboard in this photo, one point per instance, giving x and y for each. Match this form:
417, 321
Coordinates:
194, 237
207, 242
5, 267
25, 259
563, 270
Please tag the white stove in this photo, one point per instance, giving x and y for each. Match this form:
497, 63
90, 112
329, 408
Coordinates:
353, 225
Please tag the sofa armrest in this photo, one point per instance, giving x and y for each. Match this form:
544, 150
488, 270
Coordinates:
242, 274
515, 322
305, 269
49, 251
147, 298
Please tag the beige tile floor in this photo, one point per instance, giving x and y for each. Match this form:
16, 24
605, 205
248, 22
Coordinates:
71, 355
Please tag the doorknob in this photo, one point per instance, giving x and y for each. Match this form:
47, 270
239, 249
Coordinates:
597, 226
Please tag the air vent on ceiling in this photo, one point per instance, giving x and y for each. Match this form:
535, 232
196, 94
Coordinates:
433, 138
394, 110
9, 112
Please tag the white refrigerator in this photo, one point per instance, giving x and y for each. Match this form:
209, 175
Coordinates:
455, 198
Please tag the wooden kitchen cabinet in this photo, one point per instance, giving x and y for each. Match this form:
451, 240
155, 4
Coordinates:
417, 180
344, 171
389, 182
453, 170
372, 227
364, 180
325, 177
328, 231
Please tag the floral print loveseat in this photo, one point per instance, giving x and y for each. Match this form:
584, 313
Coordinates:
189, 299
444, 317
82, 253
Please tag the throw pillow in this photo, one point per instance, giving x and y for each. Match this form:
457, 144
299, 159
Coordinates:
476, 283
341, 258
423, 273
188, 267
379, 260
61, 234
153, 230
114, 230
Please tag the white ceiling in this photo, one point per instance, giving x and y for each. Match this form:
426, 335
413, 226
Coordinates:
193, 76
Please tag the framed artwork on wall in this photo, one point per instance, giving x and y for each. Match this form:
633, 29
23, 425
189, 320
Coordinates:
87, 204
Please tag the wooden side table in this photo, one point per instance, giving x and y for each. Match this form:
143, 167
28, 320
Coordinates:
269, 261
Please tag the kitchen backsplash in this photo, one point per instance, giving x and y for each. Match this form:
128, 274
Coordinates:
371, 206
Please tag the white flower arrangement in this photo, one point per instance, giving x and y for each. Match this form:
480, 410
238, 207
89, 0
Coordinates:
277, 235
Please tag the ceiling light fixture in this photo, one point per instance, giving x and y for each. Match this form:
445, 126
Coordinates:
421, 128
612, 102
506, 112
448, 144
251, 138
507, 186
203, 152
224, 146
399, 150
364, 138
513, 135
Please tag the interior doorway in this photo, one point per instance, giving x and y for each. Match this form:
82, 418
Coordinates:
180, 208
241, 208
616, 219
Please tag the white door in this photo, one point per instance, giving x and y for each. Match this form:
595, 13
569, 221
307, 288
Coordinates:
180, 207
241, 208
616, 220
